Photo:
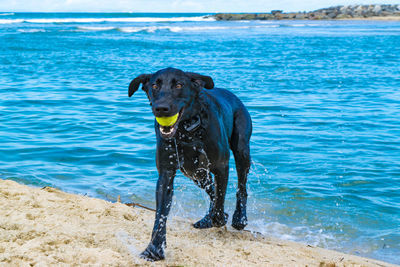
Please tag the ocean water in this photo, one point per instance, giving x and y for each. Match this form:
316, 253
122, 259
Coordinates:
324, 97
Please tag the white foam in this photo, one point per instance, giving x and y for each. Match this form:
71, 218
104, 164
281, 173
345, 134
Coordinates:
152, 29
301, 234
98, 20
96, 28
149, 29
6, 14
136, 29
10, 21
303, 25
175, 29
31, 30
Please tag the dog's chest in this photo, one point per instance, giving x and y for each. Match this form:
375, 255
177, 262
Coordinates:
193, 160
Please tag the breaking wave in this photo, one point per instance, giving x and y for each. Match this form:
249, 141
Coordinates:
151, 29
10, 21
87, 28
99, 20
31, 30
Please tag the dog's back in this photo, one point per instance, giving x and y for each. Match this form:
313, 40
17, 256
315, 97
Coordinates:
236, 118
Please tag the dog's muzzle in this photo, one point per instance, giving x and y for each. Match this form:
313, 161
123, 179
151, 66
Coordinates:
169, 125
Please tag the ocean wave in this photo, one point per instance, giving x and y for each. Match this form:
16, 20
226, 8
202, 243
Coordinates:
303, 25
84, 28
6, 14
152, 29
31, 30
99, 20
10, 21
139, 29
302, 234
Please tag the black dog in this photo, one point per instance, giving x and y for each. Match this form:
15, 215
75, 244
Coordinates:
195, 129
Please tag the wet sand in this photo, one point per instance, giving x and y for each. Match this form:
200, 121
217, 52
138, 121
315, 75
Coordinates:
42, 227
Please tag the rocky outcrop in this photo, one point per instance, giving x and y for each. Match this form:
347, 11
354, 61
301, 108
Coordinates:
336, 12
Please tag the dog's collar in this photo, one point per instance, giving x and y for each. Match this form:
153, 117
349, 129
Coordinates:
192, 124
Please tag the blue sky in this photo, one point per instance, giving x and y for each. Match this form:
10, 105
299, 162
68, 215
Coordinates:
175, 5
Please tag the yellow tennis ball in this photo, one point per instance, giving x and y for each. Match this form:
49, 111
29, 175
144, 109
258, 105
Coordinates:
167, 121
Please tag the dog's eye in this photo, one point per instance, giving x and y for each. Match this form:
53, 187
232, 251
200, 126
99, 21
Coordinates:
154, 86
178, 86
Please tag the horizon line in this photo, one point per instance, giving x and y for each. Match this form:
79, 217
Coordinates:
191, 12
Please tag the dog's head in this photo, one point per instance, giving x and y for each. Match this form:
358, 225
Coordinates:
171, 93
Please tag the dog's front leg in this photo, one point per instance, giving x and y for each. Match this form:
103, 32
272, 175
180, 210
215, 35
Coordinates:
164, 192
218, 216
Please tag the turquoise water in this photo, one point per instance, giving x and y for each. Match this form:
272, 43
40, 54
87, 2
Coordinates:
324, 98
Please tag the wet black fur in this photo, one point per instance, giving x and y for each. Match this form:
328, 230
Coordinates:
225, 125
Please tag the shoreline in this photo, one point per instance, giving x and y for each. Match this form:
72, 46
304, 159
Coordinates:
50, 227
352, 12
388, 18
244, 16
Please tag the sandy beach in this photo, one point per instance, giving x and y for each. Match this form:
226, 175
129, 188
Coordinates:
48, 227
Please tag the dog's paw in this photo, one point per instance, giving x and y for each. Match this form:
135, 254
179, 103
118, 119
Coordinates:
219, 220
152, 253
204, 223
239, 220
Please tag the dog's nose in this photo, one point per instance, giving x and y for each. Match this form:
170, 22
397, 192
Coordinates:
162, 110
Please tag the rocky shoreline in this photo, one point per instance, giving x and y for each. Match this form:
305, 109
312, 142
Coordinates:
330, 13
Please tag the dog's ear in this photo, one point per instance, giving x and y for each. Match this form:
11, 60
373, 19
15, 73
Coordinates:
201, 80
134, 85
